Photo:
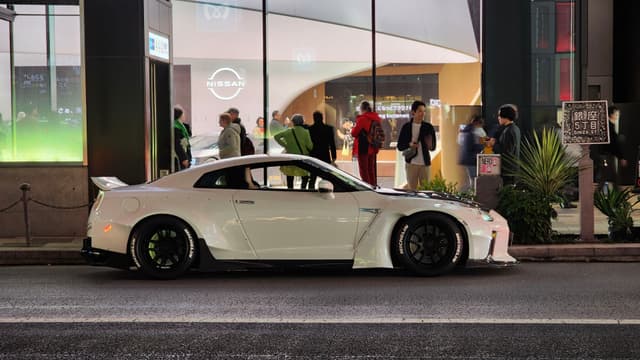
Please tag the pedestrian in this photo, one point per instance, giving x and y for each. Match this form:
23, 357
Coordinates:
229, 140
276, 125
324, 143
472, 138
417, 137
508, 143
365, 151
295, 140
246, 145
259, 131
604, 155
181, 145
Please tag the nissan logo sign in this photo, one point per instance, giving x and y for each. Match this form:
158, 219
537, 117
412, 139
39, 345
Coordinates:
225, 83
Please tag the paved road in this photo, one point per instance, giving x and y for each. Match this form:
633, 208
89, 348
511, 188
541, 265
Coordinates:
536, 310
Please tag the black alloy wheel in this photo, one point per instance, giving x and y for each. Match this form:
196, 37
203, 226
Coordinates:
163, 247
428, 244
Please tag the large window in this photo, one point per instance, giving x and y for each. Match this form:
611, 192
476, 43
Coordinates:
319, 57
42, 111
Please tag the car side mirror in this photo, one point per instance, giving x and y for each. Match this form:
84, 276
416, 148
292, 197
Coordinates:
326, 187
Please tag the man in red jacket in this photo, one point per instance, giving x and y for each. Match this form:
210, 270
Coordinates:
365, 152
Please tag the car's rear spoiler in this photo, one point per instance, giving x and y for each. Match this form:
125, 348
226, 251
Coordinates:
106, 183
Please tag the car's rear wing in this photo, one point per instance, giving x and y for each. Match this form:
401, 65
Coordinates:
106, 183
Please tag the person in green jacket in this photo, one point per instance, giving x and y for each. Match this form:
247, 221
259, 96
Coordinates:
295, 140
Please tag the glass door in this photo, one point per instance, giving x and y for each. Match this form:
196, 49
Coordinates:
6, 79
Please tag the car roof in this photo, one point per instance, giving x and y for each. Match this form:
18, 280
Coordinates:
186, 178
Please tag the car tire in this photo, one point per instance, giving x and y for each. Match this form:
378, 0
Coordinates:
163, 247
428, 244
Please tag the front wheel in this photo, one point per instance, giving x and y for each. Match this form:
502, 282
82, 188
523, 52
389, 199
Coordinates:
428, 244
163, 247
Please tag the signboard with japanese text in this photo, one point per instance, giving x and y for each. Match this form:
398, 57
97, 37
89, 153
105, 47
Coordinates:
585, 122
488, 164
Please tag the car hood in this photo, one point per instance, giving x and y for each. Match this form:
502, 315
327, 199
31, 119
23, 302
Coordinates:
428, 194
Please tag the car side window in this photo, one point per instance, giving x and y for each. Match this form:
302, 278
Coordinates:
232, 178
287, 176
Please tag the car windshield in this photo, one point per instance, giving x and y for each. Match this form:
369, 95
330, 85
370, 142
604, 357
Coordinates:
343, 176
200, 142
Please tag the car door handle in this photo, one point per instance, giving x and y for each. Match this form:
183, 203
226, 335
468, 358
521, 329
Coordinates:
247, 202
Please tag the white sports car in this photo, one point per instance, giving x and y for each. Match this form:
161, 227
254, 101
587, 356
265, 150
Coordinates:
244, 212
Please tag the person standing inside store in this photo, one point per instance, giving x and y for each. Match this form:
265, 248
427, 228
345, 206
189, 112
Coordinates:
508, 143
229, 140
324, 143
473, 136
365, 152
246, 145
181, 144
421, 136
276, 125
604, 155
295, 140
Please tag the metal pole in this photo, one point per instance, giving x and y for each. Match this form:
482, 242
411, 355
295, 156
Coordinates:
585, 186
25, 187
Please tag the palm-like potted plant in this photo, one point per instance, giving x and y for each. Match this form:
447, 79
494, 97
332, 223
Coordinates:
543, 169
616, 204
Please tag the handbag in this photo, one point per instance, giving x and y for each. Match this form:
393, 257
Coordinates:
345, 149
409, 153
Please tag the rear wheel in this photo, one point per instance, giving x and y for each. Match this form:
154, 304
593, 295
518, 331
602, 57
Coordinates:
163, 247
428, 244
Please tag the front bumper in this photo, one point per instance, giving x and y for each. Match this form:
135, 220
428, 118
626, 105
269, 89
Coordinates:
99, 257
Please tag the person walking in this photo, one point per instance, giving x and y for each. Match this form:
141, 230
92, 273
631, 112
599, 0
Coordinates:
421, 136
295, 140
604, 155
229, 140
365, 152
181, 136
473, 136
324, 144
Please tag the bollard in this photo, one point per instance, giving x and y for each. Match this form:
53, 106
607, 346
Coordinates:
26, 187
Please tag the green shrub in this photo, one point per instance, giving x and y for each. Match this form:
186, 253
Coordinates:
439, 184
543, 170
617, 206
528, 214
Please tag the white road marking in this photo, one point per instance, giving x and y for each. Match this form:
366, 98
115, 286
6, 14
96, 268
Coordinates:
253, 320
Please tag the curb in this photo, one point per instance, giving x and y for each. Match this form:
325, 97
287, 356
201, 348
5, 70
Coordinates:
524, 253
577, 252
41, 257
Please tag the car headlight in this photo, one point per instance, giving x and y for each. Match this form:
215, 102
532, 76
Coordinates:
485, 216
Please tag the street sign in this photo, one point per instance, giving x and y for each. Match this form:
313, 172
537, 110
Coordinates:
488, 164
585, 122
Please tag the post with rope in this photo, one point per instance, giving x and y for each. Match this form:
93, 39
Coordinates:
26, 187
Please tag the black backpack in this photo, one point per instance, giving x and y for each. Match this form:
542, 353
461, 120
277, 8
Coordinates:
247, 148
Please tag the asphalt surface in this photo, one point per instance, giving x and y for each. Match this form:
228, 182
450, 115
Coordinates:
532, 311
317, 341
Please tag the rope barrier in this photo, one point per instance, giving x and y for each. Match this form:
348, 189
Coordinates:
10, 206
59, 207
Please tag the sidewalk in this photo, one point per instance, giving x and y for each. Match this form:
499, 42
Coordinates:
66, 250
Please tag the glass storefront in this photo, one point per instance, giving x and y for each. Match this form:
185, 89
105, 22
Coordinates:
42, 111
319, 57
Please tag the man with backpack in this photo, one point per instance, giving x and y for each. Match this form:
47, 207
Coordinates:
246, 145
420, 136
368, 139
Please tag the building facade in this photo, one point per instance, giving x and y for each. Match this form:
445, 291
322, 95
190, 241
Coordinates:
62, 123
